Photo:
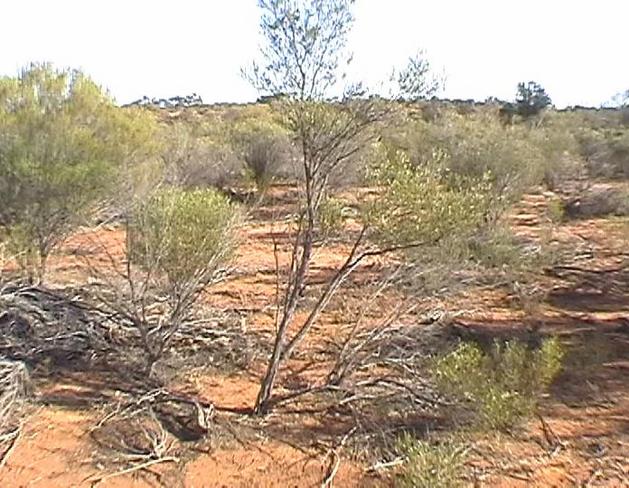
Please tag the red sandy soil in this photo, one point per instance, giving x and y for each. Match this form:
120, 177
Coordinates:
589, 416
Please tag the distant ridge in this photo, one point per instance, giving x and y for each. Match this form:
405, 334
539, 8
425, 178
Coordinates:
193, 100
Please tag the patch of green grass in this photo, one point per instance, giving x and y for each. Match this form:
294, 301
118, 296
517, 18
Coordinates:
431, 465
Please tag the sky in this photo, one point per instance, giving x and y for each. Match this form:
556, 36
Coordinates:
577, 49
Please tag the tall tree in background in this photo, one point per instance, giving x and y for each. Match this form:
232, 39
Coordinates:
418, 81
531, 99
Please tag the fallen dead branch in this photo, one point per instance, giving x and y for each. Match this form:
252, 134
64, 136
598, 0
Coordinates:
95, 480
13, 385
37, 323
12, 438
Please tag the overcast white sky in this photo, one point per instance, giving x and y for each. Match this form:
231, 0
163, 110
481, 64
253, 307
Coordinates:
577, 49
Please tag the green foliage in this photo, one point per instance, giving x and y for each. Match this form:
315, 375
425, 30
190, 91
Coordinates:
555, 210
431, 465
424, 203
264, 146
304, 42
503, 386
476, 145
183, 235
531, 99
331, 216
417, 80
62, 144
448, 221
498, 248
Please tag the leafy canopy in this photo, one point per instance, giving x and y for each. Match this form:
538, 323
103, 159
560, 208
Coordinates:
62, 142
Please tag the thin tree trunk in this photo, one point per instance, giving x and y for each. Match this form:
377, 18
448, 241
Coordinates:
268, 382
295, 284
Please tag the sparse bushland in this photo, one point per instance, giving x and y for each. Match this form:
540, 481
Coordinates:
514, 158
432, 219
503, 385
602, 140
196, 155
435, 198
606, 151
63, 144
178, 243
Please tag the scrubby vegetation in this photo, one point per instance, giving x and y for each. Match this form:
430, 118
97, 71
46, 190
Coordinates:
64, 145
431, 465
503, 385
351, 281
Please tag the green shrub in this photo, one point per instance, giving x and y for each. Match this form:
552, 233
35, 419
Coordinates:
265, 148
504, 385
424, 202
178, 243
431, 465
63, 144
447, 220
184, 235
331, 216
556, 210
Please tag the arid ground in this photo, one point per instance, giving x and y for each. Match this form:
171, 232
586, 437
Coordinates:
581, 438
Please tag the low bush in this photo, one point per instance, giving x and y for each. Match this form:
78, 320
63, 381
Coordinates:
503, 385
194, 159
265, 149
178, 243
556, 210
603, 142
184, 235
431, 465
425, 202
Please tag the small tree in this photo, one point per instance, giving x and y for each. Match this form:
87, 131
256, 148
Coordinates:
302, 54
304, 40
178, 243
62, 141
417, 81
531, 99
